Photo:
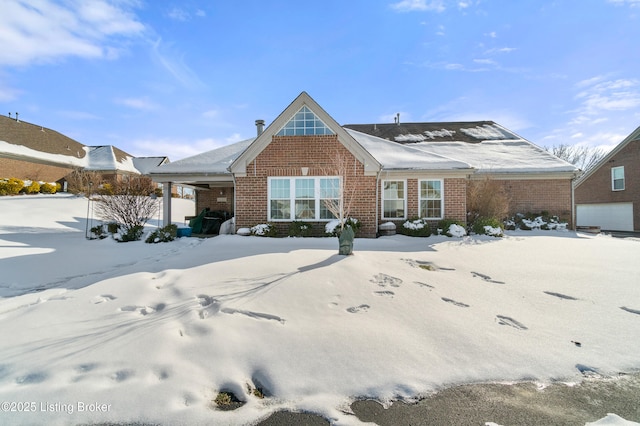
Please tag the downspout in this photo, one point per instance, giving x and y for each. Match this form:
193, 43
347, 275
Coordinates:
573, 203
235, 201
378, 199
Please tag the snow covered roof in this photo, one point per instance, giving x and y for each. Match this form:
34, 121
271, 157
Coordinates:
484, 145
146, 164
103, 158
503, 156
462, 131
24, 141
216, 161
394, 156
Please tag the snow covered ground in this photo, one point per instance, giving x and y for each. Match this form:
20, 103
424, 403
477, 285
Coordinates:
99, 331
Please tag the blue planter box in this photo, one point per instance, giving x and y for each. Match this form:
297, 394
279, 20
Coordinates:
184, 232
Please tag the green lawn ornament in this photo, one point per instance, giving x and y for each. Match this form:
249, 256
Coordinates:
346, 241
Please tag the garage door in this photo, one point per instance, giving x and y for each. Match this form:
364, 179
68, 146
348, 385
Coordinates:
610, 216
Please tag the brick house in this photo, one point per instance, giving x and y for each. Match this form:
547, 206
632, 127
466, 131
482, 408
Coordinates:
608, 195
287, 172
32, 152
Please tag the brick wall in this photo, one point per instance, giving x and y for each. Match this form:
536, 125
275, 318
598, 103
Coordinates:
455, 201
25, 170
286, 156
215, 199
536, 195
597, 187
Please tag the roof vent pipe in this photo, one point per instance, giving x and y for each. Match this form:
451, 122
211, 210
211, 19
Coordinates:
398, 119
260, 126
17, 117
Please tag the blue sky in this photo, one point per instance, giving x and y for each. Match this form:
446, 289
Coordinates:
182, 77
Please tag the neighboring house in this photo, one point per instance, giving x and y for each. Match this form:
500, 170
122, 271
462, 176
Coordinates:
608, 195
32, 152
288, 171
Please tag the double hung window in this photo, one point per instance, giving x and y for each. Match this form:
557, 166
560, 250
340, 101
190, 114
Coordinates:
430, 199
394, 201
617, 178
304, 198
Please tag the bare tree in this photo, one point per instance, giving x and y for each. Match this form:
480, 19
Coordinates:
582, 156
130, 206
79, 180
487, 198
341, 197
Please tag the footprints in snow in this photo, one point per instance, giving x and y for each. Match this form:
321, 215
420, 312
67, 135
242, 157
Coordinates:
211, 306
560, 295
455, 303
486, 278
356, 309
83, 371
503, 320
384, 280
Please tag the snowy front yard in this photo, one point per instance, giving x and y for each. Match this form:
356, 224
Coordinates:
105, 331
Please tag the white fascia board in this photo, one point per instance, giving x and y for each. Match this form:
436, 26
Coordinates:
420, 174
191, 178
481, 175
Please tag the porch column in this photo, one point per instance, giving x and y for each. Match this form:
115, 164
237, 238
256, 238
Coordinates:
166, 203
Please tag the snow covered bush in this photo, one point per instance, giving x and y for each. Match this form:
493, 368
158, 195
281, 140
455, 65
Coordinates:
415, 228
130, 234
488, 226
264, 230
299, 229
98, 232
31, 187
542, 220
445, 228
163, 235
456, 230
130, 206
332, 228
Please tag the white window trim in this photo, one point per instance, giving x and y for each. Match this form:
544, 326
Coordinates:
613, 179
420, 199
292, 197
383, 199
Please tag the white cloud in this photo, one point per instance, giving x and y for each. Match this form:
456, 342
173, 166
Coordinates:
179, 14
44, 30
632, 3
419, 5
177, 149
174, 64
142, 104
78, 115
599, 96
8, 94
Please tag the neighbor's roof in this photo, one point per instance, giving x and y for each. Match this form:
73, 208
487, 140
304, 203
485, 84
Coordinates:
485, 145
24, 141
